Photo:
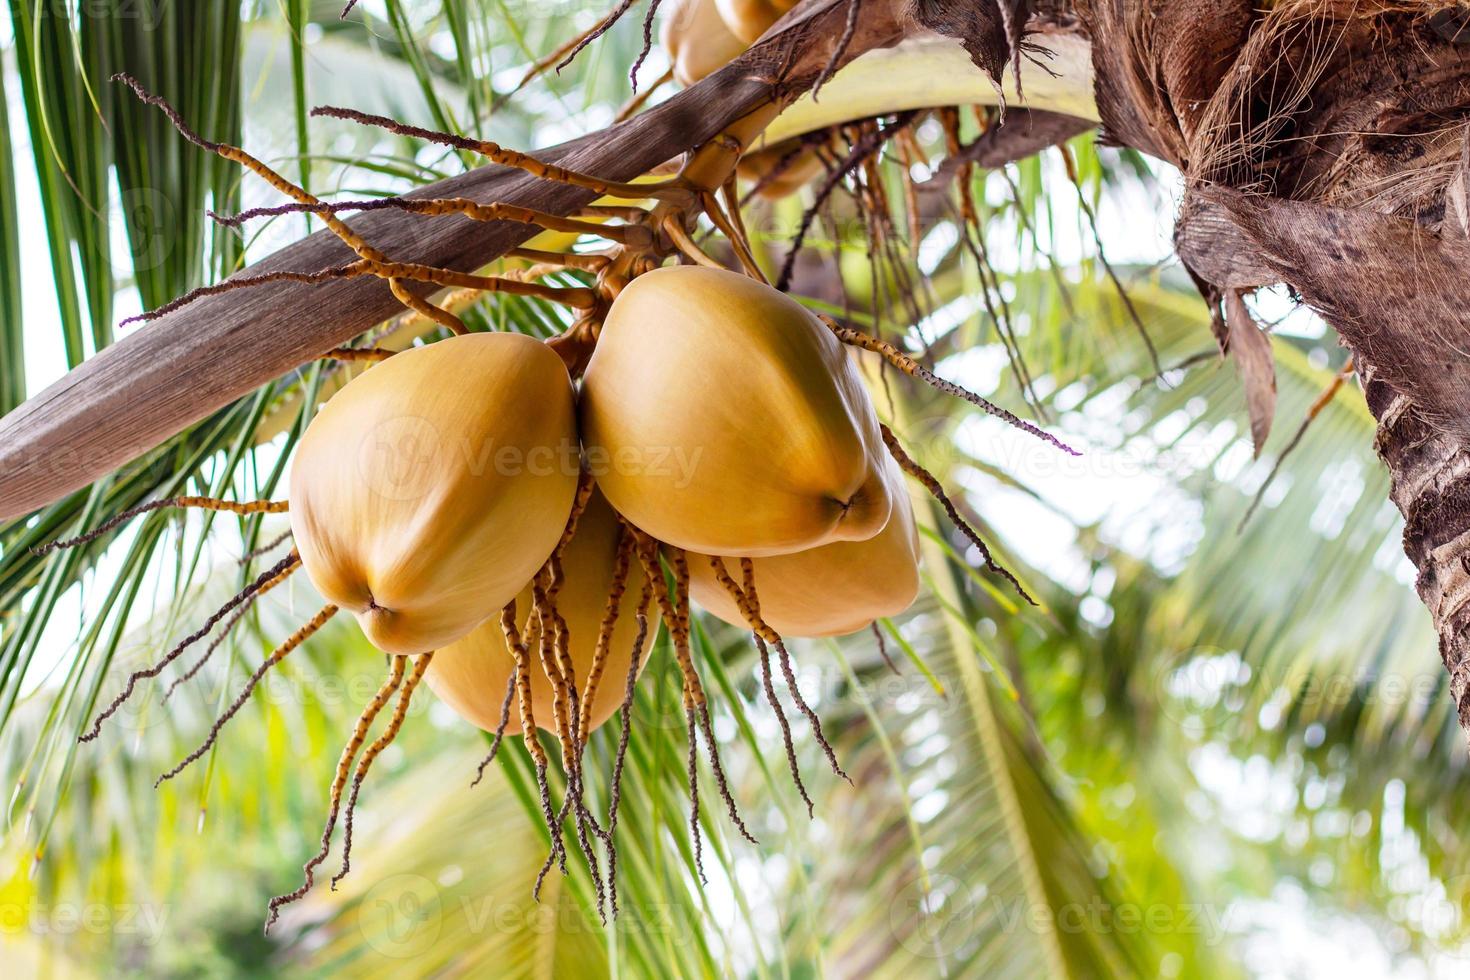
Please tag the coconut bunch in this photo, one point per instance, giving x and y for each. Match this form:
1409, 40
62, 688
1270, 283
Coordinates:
508, 520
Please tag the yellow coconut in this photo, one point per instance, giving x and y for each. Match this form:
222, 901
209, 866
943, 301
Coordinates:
696, 39
828, 591
427, 492
471, 675
749, 19
722, 417
791, 166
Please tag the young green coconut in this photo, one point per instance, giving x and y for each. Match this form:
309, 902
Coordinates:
721, 417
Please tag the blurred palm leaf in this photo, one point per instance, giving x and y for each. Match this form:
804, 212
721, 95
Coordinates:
12, 329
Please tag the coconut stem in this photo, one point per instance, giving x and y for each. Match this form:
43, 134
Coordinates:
936, 490
556, 260
241, 282
625, 714
914, 369
359, 354
605, 629
266, 548
510, 694
694, 791
719, 771
400, 712
753, 620
440, 206
291, 643
734, 232
285, 572
503, 156
298, 194
396, 668
747, 574
674, 613
242, 508
687, 246
284, 566
517, 647
882, 646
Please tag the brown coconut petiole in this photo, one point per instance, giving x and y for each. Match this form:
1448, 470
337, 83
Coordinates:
395, 723
292, 642
281, 569
936, 490
396, 666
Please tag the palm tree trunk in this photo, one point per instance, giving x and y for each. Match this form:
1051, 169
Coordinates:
1322, 148
1430, 467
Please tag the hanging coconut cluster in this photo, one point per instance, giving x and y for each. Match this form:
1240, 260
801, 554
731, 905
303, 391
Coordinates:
512, 521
